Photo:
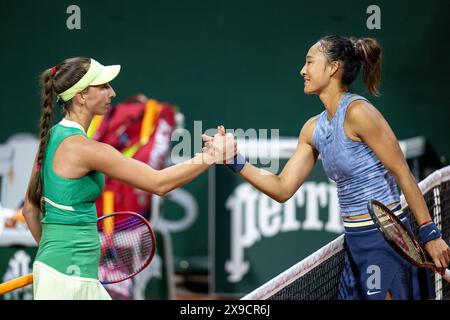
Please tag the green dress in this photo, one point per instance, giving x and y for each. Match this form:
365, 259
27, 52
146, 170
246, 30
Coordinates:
70, 242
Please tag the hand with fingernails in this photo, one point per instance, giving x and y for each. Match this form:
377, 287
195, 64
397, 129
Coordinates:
224, 147
440, 253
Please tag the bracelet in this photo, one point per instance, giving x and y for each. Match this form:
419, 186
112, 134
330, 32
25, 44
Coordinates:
237, 164
429, 232
424, 223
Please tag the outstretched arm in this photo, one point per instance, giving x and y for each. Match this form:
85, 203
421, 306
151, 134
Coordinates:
283, 186
367, 124
103, 157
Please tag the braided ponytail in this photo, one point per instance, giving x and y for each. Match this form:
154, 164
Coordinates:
35, 189
54, 81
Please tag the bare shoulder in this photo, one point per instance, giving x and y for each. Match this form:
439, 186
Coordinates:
70, 147
307, 132
363, 120
86, 150
361, 111
78, 145
95, 149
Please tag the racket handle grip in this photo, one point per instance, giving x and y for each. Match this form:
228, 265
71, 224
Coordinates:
16, 283
446, 275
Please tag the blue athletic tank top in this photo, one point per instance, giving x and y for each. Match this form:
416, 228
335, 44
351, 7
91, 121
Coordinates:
359, 174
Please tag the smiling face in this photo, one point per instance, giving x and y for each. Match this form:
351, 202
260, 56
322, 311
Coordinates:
317, 71
97, 99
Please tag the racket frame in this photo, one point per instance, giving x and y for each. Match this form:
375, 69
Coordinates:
428, 262
152, 235
27, 279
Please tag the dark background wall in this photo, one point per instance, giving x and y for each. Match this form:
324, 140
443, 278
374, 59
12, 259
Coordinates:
231, 62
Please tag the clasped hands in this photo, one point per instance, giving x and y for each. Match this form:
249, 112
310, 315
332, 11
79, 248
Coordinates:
220, 149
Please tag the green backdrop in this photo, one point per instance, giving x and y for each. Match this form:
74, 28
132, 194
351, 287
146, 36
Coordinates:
217, 58
228, 62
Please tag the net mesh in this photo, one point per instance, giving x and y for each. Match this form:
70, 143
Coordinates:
317, 277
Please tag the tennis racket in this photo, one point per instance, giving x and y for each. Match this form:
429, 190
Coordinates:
127, 247
400, 238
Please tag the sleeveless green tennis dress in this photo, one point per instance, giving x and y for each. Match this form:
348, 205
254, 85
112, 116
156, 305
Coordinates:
70, 242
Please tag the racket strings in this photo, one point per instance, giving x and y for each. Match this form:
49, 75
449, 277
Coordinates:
399, 235
126, 249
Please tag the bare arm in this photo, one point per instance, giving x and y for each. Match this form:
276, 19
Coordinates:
103, 157
32, 214
283, 186
367, 123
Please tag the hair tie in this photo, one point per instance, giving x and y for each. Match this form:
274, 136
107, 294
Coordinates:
54, 70
38, 167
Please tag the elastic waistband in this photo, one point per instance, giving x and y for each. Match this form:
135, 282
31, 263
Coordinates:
40, 265
368, 223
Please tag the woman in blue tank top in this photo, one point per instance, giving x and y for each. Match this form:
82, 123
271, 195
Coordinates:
361, 154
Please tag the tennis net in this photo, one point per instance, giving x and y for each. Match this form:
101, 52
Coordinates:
317, 277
